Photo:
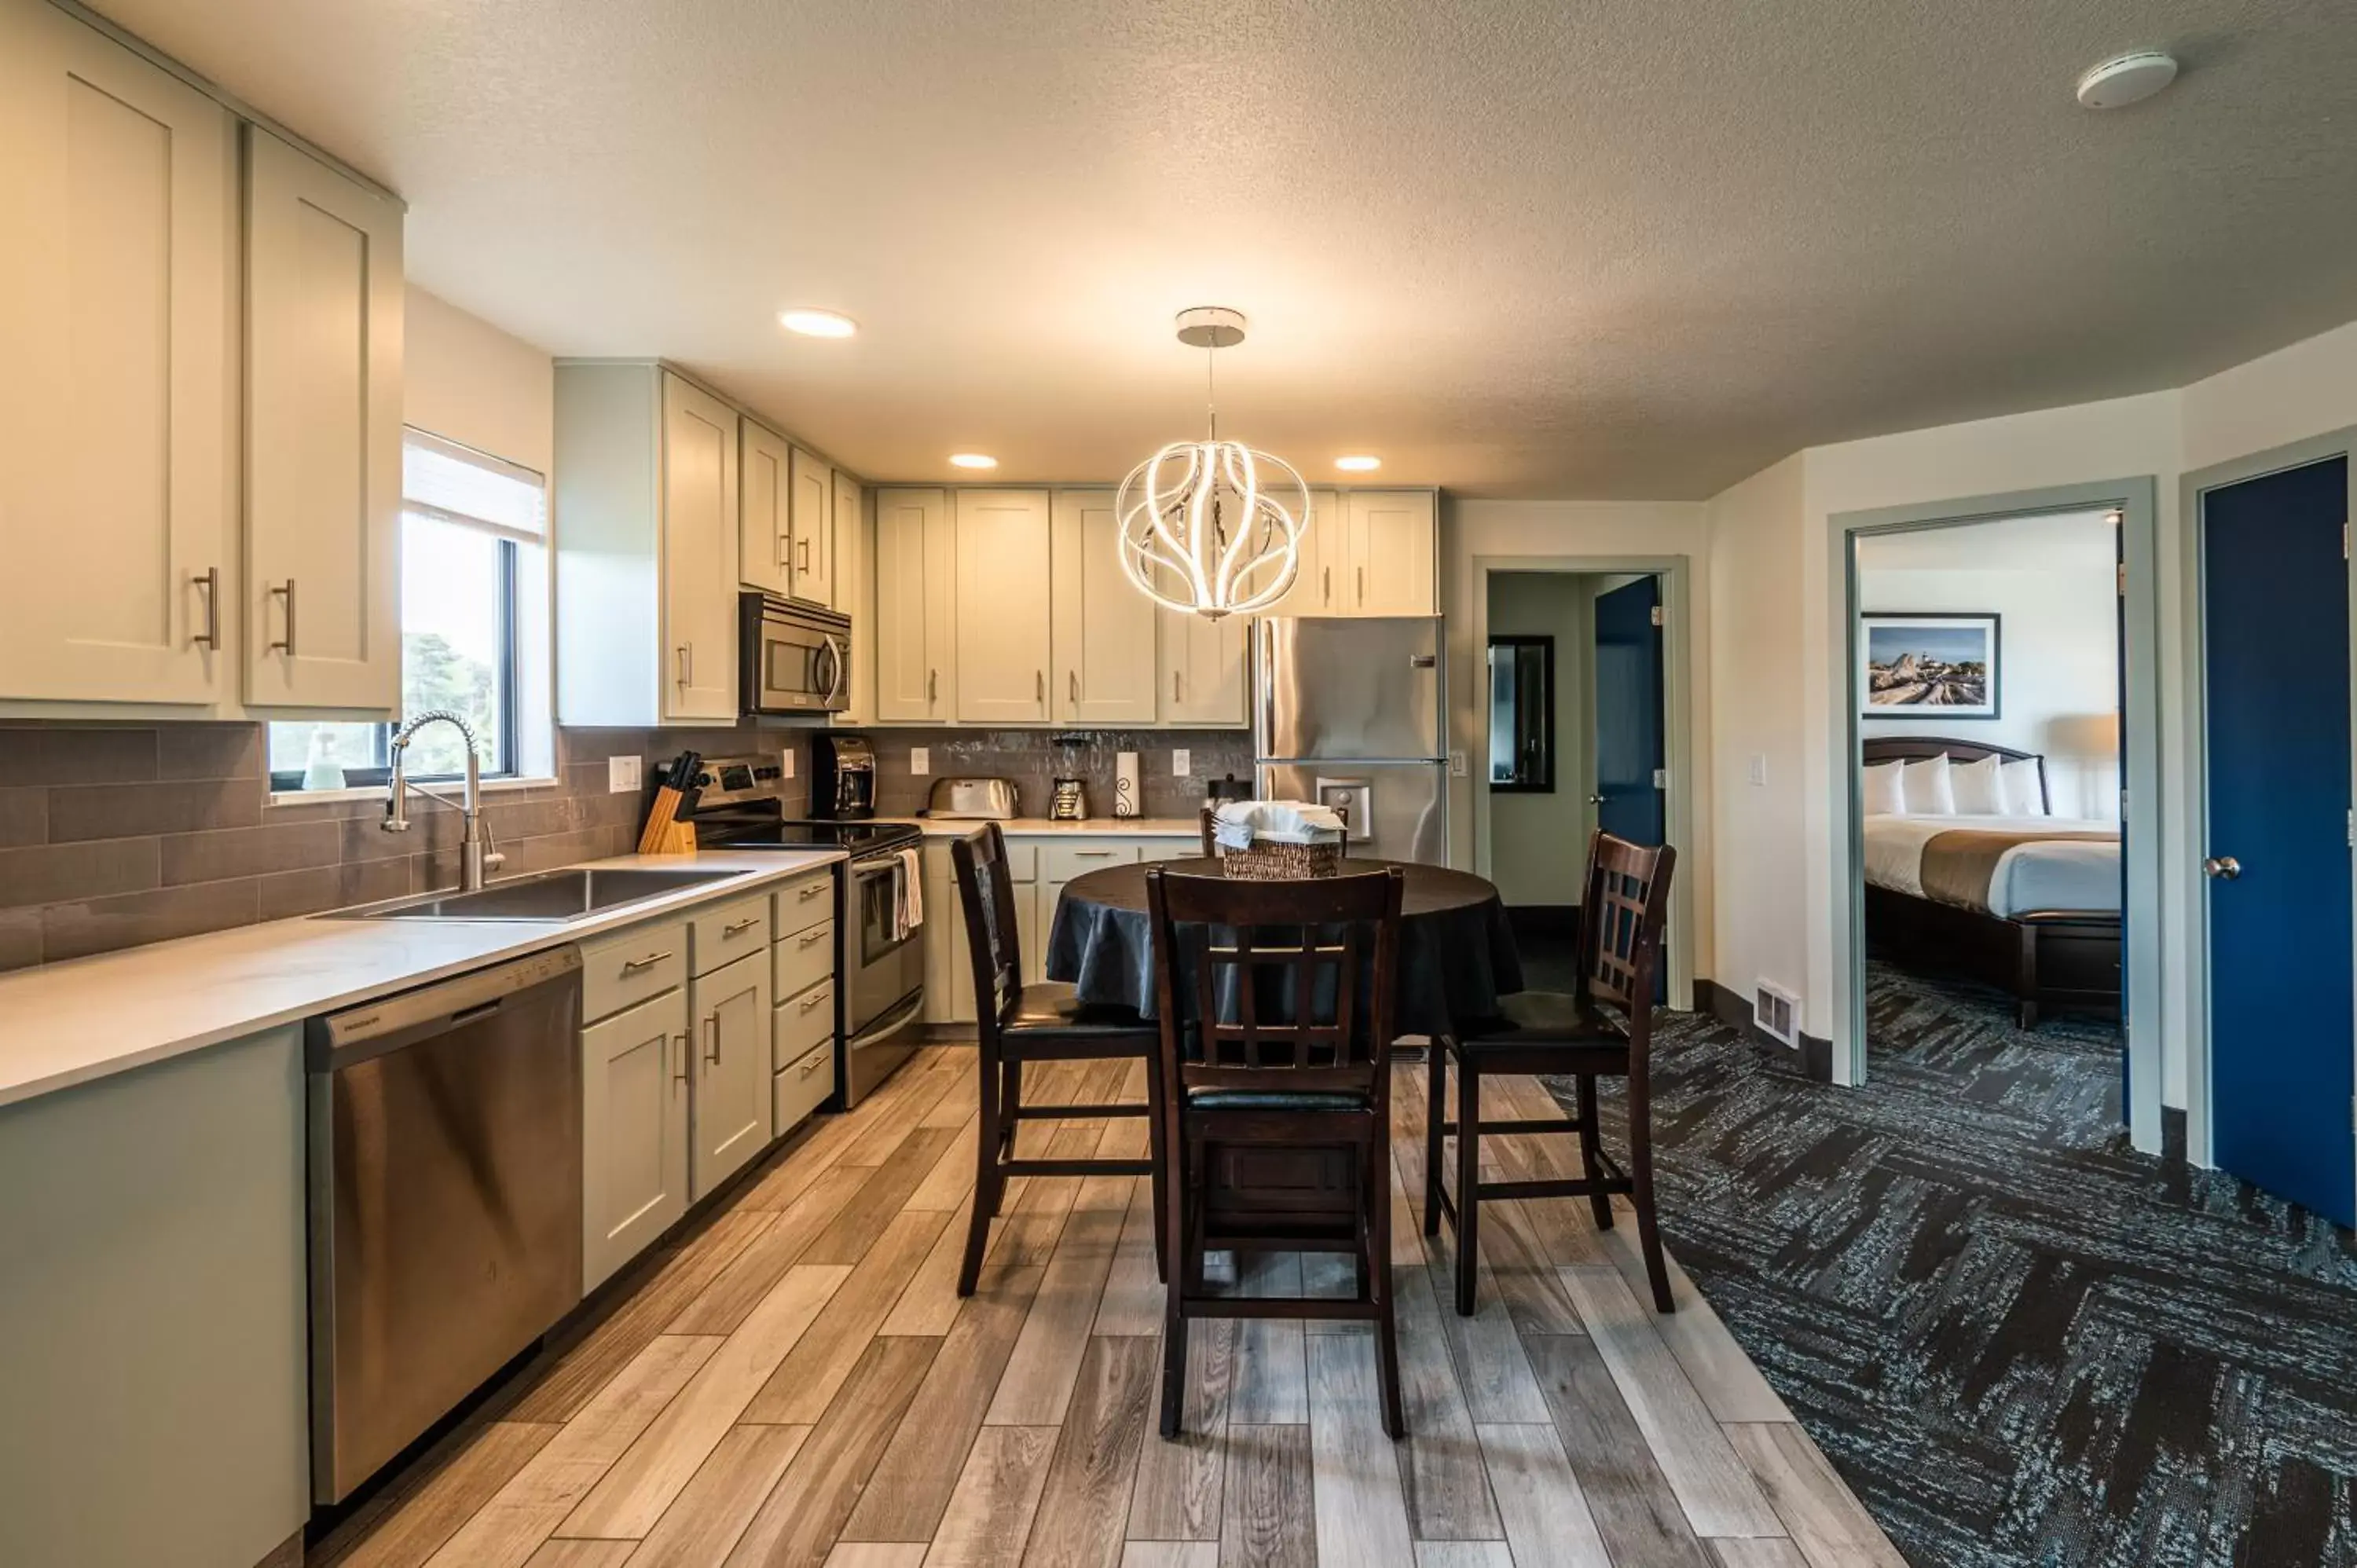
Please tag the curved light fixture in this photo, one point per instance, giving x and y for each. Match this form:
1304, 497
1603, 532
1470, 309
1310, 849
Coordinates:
811, 323
1203, 530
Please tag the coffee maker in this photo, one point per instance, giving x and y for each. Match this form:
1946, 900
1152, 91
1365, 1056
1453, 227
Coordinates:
842, 776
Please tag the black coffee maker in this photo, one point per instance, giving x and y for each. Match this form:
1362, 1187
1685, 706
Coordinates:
842, 776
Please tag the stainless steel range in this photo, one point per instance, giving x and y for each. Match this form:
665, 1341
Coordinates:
879, 960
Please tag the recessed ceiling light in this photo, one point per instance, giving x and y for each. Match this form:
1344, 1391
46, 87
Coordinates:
972, 460
2130, 79
1357, 463
817, 323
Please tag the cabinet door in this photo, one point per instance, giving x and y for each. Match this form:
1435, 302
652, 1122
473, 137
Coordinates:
633, 1131
1390, 537
854, 593
1003, 641
114, 431
1203, 670
813, 519
731, 1068
948, 971
765, 542
916, 605
322, 434
1103, 631
699, 554
1313, 583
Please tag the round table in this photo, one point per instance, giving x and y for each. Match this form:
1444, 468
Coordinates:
1457, 952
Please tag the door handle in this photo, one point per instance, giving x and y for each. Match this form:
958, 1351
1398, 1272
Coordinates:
1596, 800
632, 965
712, 1027
680, 1076
786, 551
1325, 585
932, 685
1362, 587
1173, 685
286, 646
812, 939
1073, 685
686, 666
2222, 868
737, 928
1039, 687
211, 637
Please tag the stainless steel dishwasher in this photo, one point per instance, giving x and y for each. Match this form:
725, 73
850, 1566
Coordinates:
445, 1199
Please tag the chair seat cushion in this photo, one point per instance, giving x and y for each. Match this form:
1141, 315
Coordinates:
1276, 1100
1551, 1017
1045, 1008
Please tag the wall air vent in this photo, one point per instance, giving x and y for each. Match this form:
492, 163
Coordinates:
1776, 1012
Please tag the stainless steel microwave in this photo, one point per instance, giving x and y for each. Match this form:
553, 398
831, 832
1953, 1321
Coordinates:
794, 657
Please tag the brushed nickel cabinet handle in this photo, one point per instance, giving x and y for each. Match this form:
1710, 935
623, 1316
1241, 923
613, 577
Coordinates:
286, 646
680, 1076
801, 555
737, 928
1039, 687
1362, 587
210, 638
813, 999
817, 1060
686, 665
1325, 585
813, 890
932, 686
812, 939
786, 551
712, 1027
1173, 685
632, 966
2222, 868
1073, 686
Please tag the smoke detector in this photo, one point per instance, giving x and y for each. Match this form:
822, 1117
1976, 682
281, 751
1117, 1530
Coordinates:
2130, 79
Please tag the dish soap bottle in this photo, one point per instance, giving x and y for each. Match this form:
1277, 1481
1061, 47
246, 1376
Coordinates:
323, 770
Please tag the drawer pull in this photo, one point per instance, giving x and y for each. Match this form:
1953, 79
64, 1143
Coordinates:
680, 1076
632, 966
817, 936
813, 999
712, 1033
738, 927
813, 890
1092, 854
818, 1060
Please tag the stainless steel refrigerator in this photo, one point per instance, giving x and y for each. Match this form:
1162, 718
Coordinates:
1352, 713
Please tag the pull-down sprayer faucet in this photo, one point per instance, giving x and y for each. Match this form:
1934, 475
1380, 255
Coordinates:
473, 857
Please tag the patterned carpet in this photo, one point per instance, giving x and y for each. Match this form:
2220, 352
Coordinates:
2021, 1341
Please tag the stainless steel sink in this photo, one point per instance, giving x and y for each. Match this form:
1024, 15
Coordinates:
551, 895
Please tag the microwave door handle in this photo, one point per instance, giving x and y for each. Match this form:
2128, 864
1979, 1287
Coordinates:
837, 658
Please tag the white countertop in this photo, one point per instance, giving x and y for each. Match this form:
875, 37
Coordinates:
1127, 827
69, 1022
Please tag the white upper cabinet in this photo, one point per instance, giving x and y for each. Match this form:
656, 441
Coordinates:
1391, 538
855, 594
813, 523
323, 298
699, 553
765, 540
1003, 640
1203, 670
115, 431
916, 605
1103, 637
1312, 593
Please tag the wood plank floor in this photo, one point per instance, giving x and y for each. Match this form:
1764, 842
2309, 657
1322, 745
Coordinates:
794, 1383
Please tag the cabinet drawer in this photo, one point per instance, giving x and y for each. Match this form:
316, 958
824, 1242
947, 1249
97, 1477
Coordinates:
1022, 860
804, 1022
805, 901
623, 971
730, 931
803, 1087
1062, 862
1151, 850
803, 960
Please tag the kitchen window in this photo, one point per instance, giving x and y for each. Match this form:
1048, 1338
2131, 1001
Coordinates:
474, 630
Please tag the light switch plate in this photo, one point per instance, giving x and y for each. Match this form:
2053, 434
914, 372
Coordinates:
1457, 765
1182, 762
622, 775
1759, 768
786, 761
920, 760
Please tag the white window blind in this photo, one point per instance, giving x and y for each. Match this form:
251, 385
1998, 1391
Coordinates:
442, 478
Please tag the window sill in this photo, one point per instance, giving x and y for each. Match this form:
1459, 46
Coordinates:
452, 787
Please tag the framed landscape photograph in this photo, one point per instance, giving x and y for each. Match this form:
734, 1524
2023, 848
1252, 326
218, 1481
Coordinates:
1923, 666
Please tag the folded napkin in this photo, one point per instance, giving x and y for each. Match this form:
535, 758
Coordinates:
1240, 824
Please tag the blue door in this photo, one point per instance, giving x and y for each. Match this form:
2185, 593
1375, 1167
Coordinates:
2282, 1025
1629, 711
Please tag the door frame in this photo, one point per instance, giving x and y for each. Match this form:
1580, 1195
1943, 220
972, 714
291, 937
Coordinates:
2136, 500
1678, 615
2193, 761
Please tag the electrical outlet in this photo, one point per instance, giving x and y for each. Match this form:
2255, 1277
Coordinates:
622, 775
920, 760
1759, 770
1457, 765
1182, 762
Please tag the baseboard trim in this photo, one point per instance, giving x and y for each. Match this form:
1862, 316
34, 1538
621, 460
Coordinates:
1733, 1009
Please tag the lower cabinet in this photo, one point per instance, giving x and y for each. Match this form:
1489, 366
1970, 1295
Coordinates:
634, 1121
1039, 866
949, 974
729, 1071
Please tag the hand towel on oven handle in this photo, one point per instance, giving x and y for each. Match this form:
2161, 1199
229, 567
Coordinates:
907, 895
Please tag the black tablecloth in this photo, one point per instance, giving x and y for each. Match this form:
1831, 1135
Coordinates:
1457, 953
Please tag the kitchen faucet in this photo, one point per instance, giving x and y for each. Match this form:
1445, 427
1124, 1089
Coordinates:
473, 857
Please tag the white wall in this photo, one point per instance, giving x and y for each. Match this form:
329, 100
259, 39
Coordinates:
2052, 580
1538, 843
2306, 389
468, 381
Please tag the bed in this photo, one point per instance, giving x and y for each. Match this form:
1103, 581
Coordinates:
2028, 904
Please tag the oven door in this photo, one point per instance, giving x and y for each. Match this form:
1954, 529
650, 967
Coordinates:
880, 969
794, 662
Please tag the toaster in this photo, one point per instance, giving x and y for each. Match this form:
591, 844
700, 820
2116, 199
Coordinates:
980, 798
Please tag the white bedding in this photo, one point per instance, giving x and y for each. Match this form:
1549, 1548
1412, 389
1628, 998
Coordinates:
2059, 874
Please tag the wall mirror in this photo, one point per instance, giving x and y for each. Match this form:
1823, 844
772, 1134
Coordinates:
1522, 714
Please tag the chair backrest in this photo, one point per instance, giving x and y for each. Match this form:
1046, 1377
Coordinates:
1210, 844
1282, 985
987, 892
1625, 901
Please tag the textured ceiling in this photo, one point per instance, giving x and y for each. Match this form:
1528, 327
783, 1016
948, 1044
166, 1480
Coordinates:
1597, 247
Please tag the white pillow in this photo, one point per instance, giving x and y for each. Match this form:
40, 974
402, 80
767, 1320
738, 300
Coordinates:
1884, 796
2022, 794
1925, 784
1978, 789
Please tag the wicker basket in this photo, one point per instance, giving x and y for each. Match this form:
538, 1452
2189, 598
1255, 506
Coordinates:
1282, 862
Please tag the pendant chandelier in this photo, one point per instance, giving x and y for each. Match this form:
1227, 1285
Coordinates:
1204, 529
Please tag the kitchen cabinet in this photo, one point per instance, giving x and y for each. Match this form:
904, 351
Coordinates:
812, 507
699, 553
1061, 860
855, 594
765, 533
916, 605
1203, 665
116, 444
634, 1131
323, 301
948, 975
729, 1070
1312, 593
1003, 643
1103, 644
1389, 539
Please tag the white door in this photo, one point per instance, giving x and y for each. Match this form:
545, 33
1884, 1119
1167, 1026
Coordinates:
699, 554
731, 1068
1392, 536
1103, 631
916, 605
1203, 670
765, 540
633, 1131
115, 434
1003, 642
855, 594
322, 434
813, 516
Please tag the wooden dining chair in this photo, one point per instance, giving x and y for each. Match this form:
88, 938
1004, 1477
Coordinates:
1624, 901
1273, 1001
1039, 1022
1209, 821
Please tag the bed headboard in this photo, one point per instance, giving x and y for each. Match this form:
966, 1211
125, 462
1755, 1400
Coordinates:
1914, 747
